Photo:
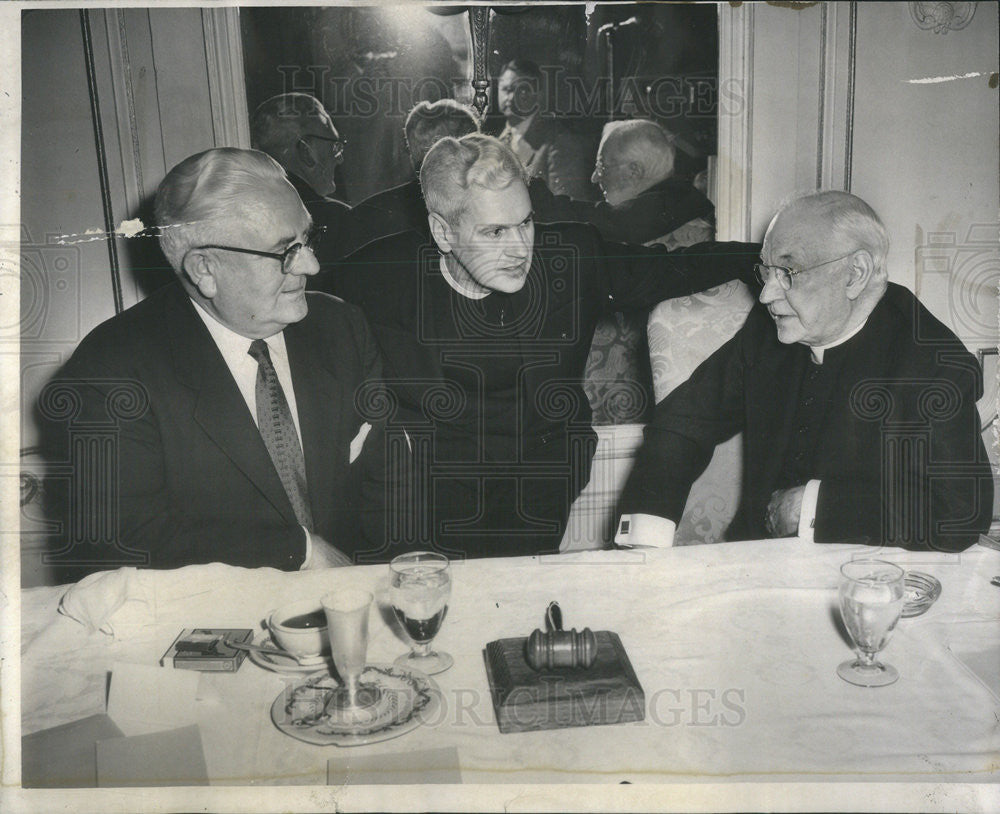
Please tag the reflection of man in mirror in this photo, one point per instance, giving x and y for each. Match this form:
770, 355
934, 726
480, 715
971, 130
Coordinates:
297, 132
486, 332
544, 145
635, 172
401, 207
857, 406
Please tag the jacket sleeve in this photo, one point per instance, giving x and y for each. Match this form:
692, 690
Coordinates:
936, 490
640, 276
679, 442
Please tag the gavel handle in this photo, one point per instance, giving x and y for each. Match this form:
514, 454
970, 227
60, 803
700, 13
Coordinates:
553, 617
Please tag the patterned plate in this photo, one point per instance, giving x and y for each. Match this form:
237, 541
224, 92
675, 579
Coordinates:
921, 591
408, 698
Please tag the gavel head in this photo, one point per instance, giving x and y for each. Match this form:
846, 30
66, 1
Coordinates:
560, 648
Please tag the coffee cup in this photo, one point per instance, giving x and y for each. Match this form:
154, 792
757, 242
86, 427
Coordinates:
300, 629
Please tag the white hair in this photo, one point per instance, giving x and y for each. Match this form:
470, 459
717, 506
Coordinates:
645, 143
204, 189
452, 167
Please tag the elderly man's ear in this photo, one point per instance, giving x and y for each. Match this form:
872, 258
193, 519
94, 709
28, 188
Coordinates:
199, 270
860, 273
442, 233
635, 171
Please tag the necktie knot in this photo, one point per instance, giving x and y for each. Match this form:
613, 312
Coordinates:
258, 350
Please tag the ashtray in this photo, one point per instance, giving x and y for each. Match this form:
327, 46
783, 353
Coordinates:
920, 591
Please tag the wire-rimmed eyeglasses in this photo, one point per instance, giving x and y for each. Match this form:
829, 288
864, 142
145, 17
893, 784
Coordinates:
784, 274
338, 143
287, 257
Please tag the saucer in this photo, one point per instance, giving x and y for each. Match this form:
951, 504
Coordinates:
283, 664
920, 591
408, 698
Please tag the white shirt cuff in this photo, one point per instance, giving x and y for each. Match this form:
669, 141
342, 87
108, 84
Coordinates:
645, 531
807, 515
309, 548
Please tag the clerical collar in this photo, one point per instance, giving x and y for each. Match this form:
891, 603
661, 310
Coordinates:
461, 289
819, 350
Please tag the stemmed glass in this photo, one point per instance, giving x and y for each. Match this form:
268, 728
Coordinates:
871, 600
347, 613
419, 593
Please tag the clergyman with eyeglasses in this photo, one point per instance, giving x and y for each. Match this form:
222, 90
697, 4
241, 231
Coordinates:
857, 406
226, 399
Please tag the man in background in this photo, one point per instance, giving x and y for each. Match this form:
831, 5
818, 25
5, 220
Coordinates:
297, 132
635, 172
402, 207
545, 146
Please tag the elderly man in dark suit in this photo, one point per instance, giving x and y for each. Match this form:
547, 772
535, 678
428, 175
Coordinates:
857, 406
230, 392
485, 331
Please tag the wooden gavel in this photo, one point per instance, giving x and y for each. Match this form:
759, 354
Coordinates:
557, 647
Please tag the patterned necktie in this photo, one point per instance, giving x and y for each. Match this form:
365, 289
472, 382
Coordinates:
274, 419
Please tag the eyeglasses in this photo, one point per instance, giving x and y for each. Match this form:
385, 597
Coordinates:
287, 257
601, 167
784, 275
338, 143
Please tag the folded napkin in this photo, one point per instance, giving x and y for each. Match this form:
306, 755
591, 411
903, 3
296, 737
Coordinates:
120, 603
96, 598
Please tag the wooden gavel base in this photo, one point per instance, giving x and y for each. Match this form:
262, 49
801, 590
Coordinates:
606, 693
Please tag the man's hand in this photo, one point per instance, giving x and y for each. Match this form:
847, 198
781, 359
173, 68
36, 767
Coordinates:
782, 518
324, 555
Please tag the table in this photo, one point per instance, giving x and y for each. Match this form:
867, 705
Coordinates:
736, 646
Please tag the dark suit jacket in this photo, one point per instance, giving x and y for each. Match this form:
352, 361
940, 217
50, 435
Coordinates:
339, 240
563, 159
495, 384
385, 213
193, 480
896, 444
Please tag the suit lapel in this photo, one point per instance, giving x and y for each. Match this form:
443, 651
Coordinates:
220, 409
318, 401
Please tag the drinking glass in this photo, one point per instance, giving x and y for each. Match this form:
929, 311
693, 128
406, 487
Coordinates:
871, 600
347, 613
419, 593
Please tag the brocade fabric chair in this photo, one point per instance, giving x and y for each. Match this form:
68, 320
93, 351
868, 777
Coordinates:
683, 332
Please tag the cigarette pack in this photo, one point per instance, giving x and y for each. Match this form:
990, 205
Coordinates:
204, 648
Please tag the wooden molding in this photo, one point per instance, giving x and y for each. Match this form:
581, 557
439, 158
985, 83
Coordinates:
735, 121
226, 81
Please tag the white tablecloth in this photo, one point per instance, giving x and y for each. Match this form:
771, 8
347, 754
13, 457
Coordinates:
736, 647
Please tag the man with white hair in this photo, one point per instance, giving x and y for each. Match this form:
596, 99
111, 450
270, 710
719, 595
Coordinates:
635, 172
486, 331
857, 406
230, 391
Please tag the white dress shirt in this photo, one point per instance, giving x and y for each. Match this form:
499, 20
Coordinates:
235, 352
